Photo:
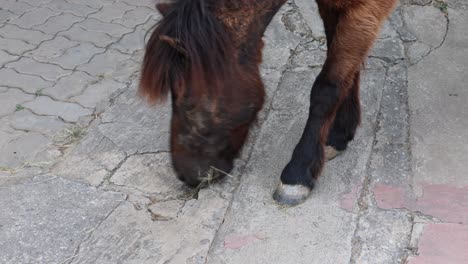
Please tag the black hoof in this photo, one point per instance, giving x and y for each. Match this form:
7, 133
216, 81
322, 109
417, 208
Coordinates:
291, 194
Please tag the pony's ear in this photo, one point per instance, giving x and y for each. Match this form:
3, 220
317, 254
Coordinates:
174, 43
163, 8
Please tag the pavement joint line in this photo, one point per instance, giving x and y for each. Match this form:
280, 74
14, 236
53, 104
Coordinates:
365, 199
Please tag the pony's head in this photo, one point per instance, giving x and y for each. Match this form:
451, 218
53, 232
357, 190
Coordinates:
206, 54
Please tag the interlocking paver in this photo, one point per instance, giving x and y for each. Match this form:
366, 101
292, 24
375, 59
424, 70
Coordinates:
25, 120
28, 83
47, 71
6, 15
58, 23
27, 148
77, 33
94, 25
135, 17
131, 42
69, 112
134, 41
112, 12
16, 7
98, 92
92, 3
51, 49
147, 3
12, 99
34, 17
29, 36
69, 86
77, 55
74, 8
5, 58
15, 46
105, 63
39, 3
7, 134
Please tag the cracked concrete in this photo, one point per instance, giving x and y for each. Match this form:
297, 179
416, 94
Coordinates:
85, 172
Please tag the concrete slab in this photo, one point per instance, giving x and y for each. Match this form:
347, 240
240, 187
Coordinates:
438, 95
255, 224
45, 218
433, 245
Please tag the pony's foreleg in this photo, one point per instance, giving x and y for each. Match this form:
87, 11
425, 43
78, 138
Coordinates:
356, 30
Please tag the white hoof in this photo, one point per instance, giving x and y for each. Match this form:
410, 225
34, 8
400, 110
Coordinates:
291, 194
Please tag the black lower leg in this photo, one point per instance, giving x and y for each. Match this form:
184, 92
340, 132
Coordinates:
308, 157
299, 176
346, 120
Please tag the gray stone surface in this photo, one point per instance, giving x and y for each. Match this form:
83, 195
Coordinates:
74, 8
92, 161
104, 63
131, 236
136, 16
271, 226
17, 8
112, 12
34, 17
6, 57
6, 15
12, 99
79, 34
95, 25
58, 23
69, 112
27, 83
15, 46
41, 215
98, 92
46, 71
29, 36
77, 55
71, 85
27, 121
149, 173
51, 49
85, 171
27, 149
438, 95
427, 23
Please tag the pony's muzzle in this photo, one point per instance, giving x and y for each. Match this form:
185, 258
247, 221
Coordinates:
199, 171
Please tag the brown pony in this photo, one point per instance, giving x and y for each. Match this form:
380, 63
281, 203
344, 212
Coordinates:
207, 53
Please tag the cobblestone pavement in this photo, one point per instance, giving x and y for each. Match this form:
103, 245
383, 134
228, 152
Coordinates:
84, 165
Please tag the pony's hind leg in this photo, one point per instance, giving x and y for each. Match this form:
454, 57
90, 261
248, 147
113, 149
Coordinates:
348, 115
346, 122
356, 30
